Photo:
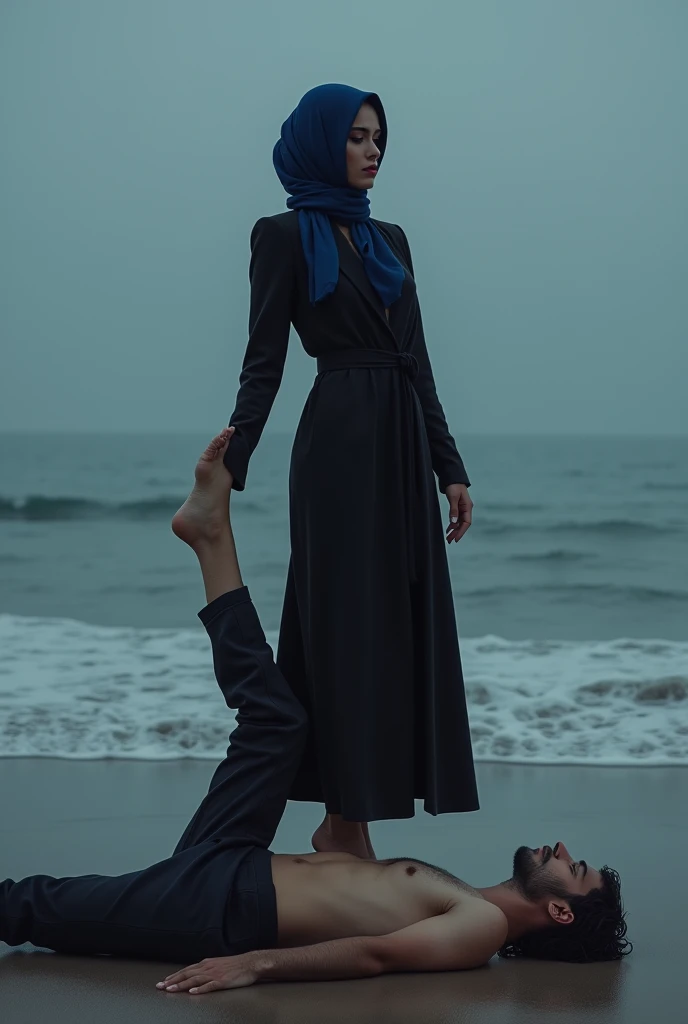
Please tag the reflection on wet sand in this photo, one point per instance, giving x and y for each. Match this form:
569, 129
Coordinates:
501, 992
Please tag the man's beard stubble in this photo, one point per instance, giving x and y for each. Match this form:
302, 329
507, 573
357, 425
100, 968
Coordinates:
531, 879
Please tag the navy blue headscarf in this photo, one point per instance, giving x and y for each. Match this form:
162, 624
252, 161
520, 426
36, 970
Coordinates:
310, 160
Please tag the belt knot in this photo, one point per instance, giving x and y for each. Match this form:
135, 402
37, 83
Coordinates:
409, 364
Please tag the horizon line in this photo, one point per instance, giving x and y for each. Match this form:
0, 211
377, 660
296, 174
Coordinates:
192, 432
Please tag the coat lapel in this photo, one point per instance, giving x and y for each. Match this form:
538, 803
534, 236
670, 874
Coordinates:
351, 265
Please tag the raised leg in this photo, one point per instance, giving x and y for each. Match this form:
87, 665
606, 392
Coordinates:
176, 910
248, 791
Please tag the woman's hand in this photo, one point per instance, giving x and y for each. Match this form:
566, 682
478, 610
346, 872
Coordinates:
212, 975
460, 511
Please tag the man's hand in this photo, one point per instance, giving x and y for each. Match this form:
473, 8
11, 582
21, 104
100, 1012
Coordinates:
212, 975
460, 511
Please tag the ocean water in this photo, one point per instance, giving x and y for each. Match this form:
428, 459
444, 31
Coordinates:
571, 592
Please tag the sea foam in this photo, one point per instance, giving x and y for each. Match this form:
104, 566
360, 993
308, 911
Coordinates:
72, 690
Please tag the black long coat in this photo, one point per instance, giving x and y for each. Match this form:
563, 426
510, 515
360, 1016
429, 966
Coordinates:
368, 636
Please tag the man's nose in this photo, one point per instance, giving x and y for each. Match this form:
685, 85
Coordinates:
562, 852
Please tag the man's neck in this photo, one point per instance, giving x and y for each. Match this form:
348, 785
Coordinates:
522, 915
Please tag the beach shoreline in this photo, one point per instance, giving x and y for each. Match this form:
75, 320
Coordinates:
64, 817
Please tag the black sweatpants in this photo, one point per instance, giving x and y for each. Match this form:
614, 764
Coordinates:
214, 896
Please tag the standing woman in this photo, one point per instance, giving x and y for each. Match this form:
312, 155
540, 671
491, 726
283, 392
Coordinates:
368, 636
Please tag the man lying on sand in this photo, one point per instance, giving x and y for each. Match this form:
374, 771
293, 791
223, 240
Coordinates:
246, 915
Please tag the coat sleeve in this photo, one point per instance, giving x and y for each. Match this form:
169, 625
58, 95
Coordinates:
446, 461
271, 274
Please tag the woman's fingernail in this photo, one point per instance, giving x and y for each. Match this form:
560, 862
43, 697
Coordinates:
454, 519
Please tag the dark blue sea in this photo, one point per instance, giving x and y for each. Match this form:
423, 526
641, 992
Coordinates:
571, 593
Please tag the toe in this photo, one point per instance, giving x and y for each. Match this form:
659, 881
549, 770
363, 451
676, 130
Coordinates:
217, 445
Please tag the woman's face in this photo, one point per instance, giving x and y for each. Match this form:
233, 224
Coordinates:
362, 153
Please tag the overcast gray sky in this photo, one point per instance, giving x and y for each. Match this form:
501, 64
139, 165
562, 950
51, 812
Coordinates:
537, 160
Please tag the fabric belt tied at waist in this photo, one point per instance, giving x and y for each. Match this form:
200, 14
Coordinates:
364, 358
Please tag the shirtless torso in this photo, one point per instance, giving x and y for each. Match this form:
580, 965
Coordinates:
322, 896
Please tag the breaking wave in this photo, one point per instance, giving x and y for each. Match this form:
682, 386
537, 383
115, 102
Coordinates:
68, 689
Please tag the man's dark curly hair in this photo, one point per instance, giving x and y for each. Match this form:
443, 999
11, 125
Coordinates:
597, 932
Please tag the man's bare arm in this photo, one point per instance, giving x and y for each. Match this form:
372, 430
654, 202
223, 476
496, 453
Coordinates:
466, 936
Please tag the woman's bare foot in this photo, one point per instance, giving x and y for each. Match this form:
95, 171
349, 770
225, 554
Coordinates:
204, 515
368, 841
335, 835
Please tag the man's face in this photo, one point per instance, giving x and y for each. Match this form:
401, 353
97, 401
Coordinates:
552, 871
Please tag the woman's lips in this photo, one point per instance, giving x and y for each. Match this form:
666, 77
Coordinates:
370, 170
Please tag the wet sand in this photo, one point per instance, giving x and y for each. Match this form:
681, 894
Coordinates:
71, 817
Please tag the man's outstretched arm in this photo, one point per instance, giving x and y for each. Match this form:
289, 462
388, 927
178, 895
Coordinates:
464, 937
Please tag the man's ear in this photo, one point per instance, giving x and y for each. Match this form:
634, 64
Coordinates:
560, 913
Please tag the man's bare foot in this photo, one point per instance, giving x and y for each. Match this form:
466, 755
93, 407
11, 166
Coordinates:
204, 517
341, 840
